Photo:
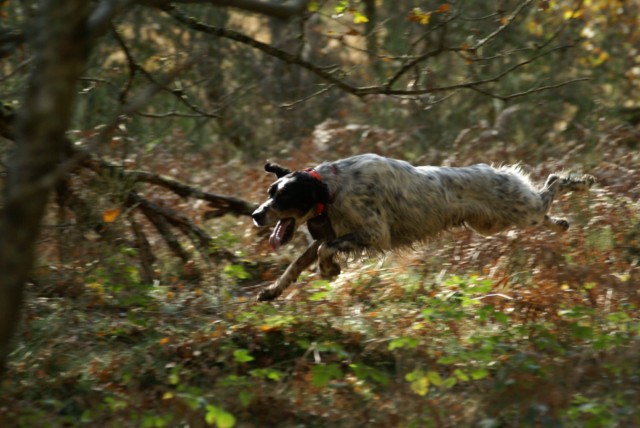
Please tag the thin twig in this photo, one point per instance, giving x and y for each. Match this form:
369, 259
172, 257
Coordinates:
278, 9
17, 69
335, 77
503, 27
532, 90
134, 67
292, 105
172, 113
78, 157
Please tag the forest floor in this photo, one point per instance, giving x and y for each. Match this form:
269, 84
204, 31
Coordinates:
528, 328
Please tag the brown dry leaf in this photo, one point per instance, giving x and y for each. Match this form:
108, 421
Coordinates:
110, 215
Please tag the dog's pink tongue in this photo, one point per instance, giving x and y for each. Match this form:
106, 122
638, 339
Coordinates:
278, 233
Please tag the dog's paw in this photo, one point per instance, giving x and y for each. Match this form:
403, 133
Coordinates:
562, 225
582, 184
551, 179
589, 180
328, 269
268, 294
556, 224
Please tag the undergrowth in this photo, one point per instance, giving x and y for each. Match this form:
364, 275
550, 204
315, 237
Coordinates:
525, 329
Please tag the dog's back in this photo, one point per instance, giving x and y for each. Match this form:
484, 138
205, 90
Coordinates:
402, 204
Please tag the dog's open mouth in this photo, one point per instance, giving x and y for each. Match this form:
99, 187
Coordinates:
282, 232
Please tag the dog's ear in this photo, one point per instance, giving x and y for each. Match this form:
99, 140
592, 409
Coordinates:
276, 169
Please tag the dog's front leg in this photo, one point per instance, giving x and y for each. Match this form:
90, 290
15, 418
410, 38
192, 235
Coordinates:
290, 275
352, 243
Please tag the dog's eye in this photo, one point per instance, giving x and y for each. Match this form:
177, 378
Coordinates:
284, 195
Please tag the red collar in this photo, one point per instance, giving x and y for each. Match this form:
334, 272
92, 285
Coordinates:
320, 207
312, 172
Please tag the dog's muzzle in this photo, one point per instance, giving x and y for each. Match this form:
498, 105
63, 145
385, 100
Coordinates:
259, 216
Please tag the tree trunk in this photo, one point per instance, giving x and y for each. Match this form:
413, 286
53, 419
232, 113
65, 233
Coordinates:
61, 44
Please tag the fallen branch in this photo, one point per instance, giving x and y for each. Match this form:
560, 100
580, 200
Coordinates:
164, 219
146, 256
222, 204
161, 224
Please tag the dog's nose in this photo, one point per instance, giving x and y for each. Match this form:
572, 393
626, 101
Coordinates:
258, 217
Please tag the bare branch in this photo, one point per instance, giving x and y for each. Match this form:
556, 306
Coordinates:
77, 157
264, 47
532, 90
82, 157
432, 53
163, 217
172, 113
147, 258
332, 75
100, 19
161, 224
286, 9
233, 205
292, 105
134, 66
504, 26
10, 39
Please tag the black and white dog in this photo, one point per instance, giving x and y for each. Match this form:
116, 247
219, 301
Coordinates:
368, 204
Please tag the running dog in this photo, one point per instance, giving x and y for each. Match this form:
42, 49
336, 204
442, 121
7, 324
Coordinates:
370, 204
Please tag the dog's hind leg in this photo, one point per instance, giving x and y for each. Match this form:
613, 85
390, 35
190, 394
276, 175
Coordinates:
290, 275
556, 224
556, 186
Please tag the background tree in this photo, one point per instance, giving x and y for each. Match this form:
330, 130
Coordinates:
62, 41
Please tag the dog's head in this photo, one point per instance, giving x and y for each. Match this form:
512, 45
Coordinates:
293, 199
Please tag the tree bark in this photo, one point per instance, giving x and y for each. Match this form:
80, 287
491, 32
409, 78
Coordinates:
61, 43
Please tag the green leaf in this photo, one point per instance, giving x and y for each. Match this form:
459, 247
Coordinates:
359, 18
501, 318
245, 398
434, 378
341, 7
364, 372
321, 375
618, 317
447, 359
403, 342
419, 382
236, 271
271, 374
581, 331
450, 382
461, 375
242, 356
480, 373
219, 417
321, 295
313, 6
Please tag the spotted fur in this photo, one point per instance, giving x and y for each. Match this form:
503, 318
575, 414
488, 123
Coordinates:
376, 204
